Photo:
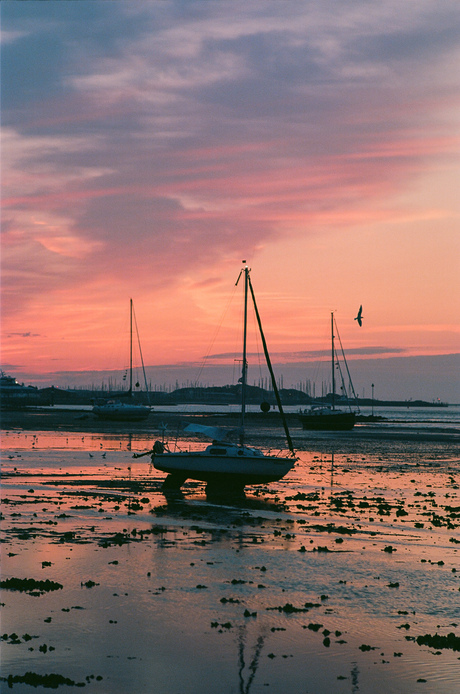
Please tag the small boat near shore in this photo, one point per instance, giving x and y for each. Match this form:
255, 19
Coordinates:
327, 417
117, 410
224, 465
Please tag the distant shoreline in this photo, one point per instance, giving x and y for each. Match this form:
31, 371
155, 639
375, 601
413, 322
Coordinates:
197, 395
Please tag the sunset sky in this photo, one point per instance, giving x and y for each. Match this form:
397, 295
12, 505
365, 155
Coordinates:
149, 147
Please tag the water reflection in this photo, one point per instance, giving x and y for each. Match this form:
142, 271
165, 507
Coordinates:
354, 679
222, 510
244, 687
332, 477
69, 508
68, 440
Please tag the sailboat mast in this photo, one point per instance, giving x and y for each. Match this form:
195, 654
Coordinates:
333, 360
130, 347
245, 365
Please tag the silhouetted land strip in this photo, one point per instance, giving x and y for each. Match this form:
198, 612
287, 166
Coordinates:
211, 395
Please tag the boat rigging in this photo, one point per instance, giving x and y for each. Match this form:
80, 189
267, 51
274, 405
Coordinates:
325, 417
222, 465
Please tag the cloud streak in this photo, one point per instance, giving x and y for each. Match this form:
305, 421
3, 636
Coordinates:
312, 355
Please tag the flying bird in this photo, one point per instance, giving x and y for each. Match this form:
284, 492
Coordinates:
359, 317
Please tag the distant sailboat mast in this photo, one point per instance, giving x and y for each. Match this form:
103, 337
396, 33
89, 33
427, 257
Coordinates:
327, 417
130, 348
350, 382
116, 410
333, 361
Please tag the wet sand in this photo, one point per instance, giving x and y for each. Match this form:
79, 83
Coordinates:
55, 419
343, 577
60, 419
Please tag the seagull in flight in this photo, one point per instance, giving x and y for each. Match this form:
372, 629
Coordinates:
359, 317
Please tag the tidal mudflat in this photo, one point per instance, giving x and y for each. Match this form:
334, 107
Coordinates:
343, 577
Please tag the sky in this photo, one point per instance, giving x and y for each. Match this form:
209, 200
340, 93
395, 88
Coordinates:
148, 148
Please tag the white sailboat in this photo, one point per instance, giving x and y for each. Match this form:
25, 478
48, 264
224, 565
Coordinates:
227, 465
117, 410
325, 417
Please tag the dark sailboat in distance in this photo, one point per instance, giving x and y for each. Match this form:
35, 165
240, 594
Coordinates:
116, 410
325, 417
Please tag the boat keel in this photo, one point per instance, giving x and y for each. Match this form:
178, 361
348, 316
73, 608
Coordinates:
174, 481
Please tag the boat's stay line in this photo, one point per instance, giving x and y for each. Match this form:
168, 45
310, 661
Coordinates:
270, 368
140, 352
348, 371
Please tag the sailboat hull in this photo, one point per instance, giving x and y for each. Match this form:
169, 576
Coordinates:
224, 468
328, 421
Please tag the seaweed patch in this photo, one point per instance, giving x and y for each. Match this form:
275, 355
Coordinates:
438, 641
51, 681
30, 585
